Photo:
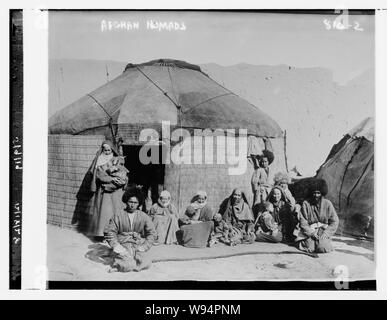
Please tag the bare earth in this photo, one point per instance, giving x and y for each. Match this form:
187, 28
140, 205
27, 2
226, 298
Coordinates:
66, 261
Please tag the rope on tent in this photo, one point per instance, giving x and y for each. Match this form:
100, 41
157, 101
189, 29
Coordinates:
209, 99
158, 87
170, 78
346, 169
358, 180
110, 123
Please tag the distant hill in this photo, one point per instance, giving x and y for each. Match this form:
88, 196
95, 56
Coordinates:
314, 110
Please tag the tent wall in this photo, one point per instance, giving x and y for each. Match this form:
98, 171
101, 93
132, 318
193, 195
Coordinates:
350, 177
69, 158
183, 181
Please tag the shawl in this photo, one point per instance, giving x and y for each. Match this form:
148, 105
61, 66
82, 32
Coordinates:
164, 194
205, 214
160, 210
93, 168
241, 211
194, 210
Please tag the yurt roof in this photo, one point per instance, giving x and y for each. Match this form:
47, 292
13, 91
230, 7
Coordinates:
168, 90
364, 129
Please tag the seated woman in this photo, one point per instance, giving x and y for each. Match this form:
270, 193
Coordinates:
130, 233
318, 220
165, 218
282, 180
239, 219
196, 225
281, 226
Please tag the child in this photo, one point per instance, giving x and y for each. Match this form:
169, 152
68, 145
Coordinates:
268, 229
116, 169
221, 231
227, 234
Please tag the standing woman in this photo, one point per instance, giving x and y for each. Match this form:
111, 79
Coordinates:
108, 190
165, 218
262, 179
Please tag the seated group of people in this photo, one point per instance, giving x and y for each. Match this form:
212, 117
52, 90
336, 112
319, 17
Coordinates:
273, 217
310, 226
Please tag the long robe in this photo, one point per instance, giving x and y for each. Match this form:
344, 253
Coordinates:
240, 218
166, 223
105, 203
135, 236
321, 217
119, 227
261, 183
196, 234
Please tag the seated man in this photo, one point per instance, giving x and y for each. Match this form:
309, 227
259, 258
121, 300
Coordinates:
130, 233
318, 220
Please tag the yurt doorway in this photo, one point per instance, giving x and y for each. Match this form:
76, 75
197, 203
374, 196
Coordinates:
150, 176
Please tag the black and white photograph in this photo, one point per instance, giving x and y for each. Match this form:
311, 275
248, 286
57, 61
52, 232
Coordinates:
211, 145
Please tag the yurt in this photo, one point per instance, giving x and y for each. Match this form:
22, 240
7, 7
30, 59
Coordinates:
139, 103
349, 173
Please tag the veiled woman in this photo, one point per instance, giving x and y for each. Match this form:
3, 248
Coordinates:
237, 214
196, 225
165, 218
107, 189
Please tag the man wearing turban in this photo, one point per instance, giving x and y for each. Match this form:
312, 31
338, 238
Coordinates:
318, 220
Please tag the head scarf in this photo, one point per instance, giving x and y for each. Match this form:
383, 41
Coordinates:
281, 177
194, 209
240, 210
195, 204
104, 158
164, 194
93, 168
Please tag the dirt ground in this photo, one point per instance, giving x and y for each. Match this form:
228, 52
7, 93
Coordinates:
67, 261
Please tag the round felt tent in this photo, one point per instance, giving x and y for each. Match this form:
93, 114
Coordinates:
349, 173
179, 93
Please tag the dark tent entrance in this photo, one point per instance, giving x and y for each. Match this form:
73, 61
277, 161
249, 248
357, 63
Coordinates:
149, 176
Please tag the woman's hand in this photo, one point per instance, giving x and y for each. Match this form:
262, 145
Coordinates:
119, 249
315, 236
324, 236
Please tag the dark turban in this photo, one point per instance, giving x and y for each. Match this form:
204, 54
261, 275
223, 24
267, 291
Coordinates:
318, 184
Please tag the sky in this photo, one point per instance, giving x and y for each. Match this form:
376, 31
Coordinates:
224, 38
